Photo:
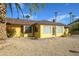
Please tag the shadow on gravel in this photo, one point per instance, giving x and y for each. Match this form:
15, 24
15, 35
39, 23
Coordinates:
73, 51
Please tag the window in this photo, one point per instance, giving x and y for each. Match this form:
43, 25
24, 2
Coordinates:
47, 29
28, 29
59, 29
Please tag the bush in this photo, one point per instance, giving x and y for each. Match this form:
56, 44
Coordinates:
63, 35
11, 32
74, 29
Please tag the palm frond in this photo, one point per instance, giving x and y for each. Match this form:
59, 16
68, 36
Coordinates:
10, 5
33, 7
42, 4
18, 6
17, 11
37, 7
28, 7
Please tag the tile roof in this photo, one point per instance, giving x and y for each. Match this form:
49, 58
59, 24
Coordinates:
30, 22
49, 23
17, 21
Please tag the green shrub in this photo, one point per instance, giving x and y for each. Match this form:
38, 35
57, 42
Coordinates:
74, 28
63, 35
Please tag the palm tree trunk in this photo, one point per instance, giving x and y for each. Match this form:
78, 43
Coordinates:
56, 14
3, 21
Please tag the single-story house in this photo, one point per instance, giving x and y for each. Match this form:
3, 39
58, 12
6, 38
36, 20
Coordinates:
37, 29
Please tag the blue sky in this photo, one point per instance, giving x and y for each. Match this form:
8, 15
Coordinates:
48, 12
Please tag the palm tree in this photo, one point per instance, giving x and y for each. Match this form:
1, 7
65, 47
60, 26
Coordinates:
56, 14
31, 7
70, 17
73, 17
54, 20
71, 20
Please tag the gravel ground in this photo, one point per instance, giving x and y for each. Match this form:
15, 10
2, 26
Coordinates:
68, 46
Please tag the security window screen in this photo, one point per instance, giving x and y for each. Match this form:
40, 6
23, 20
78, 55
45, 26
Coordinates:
59, 29
47, 29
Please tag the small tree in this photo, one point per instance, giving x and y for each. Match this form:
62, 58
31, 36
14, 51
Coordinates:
70, 13
11, 32
27, 17
75, 28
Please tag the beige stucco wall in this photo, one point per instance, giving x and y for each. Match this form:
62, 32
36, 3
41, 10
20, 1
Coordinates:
42, 35
39, 33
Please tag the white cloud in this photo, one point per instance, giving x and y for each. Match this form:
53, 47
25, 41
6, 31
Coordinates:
33, 17
60, 17
76, 17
